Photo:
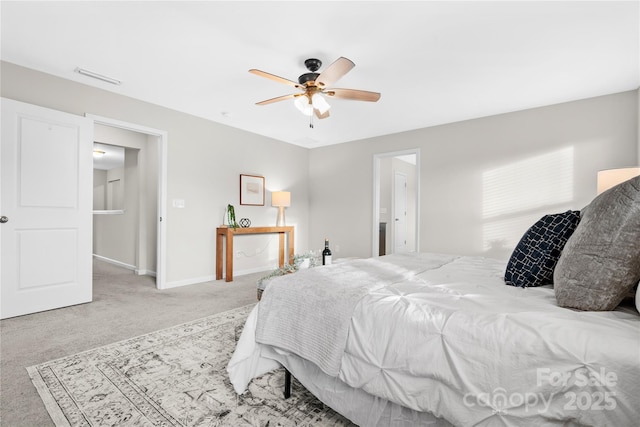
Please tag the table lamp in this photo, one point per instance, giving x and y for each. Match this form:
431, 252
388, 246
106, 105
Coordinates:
281, 200
612, 177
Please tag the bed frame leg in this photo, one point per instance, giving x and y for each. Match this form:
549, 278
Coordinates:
287, 384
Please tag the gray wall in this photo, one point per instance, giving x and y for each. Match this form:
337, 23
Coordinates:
484, 181
205, 160
526, 157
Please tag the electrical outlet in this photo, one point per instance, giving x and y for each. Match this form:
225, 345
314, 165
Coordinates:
337, 248
238, 254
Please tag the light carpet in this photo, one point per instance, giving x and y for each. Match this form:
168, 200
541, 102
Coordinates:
172, 377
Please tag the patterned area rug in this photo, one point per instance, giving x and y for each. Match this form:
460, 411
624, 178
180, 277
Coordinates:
173, 377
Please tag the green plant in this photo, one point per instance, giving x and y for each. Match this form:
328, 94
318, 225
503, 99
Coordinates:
286, 269
291, 268
299, 259
231, 217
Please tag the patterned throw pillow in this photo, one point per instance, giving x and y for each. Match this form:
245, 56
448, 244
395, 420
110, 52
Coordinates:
534, 258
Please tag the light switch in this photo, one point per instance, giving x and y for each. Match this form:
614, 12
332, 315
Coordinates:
178, 203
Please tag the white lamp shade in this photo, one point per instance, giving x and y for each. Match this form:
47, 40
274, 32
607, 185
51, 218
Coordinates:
281, 198
320, 103
612, 177
303, 103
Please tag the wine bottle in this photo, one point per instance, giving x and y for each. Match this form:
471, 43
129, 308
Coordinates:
326, 254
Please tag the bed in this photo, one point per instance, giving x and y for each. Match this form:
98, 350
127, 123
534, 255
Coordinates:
439, 339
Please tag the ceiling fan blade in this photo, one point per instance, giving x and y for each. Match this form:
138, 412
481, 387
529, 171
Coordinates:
334, 72
279, 98
321, 115
275, 78
357, 95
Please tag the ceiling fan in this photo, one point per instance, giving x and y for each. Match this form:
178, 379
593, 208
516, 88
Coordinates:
316, 86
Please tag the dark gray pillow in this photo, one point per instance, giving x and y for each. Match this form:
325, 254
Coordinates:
600, 263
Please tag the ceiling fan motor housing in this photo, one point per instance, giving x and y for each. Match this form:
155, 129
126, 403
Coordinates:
313, 64
307, 77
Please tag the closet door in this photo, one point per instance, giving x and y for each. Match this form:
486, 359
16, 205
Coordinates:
46, 169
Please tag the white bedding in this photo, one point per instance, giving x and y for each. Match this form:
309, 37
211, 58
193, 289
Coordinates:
455, 341
322, 301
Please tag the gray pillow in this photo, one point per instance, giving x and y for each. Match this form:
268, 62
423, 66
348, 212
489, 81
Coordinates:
600, 263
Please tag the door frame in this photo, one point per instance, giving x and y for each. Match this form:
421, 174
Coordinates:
162, 138
376, 197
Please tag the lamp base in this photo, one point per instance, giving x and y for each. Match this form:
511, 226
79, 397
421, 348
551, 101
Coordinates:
280, 220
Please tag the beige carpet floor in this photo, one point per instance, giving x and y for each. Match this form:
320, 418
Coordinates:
124, 306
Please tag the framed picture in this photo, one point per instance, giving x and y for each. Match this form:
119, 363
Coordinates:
252, 190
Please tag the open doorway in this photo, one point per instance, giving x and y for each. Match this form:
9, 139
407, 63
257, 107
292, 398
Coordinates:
131, 234
396, 202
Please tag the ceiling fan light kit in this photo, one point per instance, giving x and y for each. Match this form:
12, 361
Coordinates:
303, 103
320, 103
315, 86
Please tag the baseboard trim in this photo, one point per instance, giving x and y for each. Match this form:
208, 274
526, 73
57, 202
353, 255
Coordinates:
191, 281
145, 273
139, 272
196, 280
115, 262
254, 270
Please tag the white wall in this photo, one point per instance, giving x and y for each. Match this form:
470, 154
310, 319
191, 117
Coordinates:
99, 189
484, 181
205, 160
116, 237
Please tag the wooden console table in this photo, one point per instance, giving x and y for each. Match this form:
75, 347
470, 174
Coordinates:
229, 232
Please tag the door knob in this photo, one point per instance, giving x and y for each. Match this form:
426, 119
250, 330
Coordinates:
3, 219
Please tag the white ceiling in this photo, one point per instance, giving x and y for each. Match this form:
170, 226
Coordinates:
434, 62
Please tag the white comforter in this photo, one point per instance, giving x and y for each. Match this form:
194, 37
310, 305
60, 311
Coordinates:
445, 335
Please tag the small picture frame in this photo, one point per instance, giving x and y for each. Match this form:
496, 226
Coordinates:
251, 190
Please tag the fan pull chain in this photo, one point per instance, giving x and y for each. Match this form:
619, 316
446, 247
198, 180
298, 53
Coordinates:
311, 121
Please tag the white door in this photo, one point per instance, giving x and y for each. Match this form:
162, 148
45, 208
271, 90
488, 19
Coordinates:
400, 212
46, 170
